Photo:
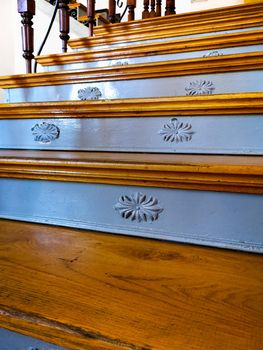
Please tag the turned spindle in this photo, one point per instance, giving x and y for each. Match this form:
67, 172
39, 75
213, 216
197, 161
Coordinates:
64, 23
27, 10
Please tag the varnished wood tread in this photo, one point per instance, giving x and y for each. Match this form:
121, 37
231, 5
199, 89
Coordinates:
209, 42
191, 66
192, 17
216, 173
225, 104
168, 31
86, 290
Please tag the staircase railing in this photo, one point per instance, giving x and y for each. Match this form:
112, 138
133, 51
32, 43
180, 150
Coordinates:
151, 8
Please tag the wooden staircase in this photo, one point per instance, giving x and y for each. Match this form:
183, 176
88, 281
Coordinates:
150, 135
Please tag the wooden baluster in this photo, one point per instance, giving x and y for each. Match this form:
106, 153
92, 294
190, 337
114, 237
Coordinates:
112, 11
145, 12
158, 8
64, 23
131, 6
170, 7
27, 10
91, 15
152, 13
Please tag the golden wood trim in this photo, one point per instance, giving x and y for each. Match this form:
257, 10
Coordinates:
216, 173
60, 285
191, 17
225, 104
192, 66
168, 31
183, 45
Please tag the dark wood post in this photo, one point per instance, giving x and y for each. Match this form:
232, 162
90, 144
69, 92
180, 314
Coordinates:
131, 6
145, 12
27, 10
112, 11
64, 23
158, 8
170, 7
91, 15
152, 13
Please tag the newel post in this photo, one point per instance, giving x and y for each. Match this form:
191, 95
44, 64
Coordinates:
64, 23
27, 10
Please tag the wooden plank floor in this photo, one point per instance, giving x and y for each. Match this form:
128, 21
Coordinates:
86, 290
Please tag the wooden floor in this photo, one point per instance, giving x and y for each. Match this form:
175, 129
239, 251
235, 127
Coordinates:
86, 290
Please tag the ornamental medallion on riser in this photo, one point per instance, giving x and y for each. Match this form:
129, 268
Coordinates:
228, 220
241, 134
233, 82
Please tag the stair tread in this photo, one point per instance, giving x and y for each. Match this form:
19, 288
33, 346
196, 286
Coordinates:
224, 104
168, 31
242, 174
81, 289
166, 47
182, 67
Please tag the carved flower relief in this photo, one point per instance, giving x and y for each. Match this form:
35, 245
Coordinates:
120, 63
45, 132
200, 87
213, 54
89, 93
138, 207
176, 131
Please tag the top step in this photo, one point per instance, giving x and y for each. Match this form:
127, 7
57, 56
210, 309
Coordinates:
190, 17
177, 28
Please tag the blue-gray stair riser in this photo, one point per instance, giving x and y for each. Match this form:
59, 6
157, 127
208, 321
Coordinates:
219, 219
176, 37
206, 84
238, 134
156, 58
14, 341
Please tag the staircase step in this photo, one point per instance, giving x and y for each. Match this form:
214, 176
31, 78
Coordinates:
83, 284
189, 17
162, 33
214, 124
102, 192
222, 74
202, 46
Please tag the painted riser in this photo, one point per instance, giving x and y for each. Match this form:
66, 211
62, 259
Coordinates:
14, 341
241, 134
156, 58
233, 82
228, 220
176, 37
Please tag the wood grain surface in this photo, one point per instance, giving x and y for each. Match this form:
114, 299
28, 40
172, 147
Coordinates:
225, 104
85, 290
208, 42
242, 174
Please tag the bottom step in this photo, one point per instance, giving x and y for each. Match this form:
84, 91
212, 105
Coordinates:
85, 290
156, 199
